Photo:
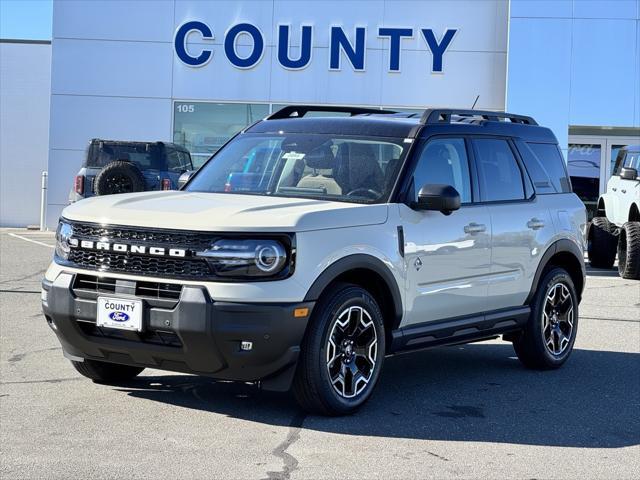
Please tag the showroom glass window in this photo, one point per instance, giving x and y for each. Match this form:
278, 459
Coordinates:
498, 171
202, 128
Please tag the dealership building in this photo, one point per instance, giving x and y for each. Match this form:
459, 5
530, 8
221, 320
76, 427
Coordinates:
195, 72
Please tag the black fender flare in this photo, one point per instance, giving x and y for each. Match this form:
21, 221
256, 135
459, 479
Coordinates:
353, 262
559, 246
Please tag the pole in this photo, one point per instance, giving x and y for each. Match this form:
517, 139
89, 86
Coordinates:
43, 202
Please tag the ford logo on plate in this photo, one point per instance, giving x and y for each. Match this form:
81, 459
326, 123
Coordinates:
118, 316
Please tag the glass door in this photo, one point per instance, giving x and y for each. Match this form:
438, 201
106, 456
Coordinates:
585, 161
590, 162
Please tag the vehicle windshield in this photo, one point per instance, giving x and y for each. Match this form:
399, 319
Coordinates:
144, 155
322, 166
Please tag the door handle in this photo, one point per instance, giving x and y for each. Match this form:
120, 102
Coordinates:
535, 224
474, 228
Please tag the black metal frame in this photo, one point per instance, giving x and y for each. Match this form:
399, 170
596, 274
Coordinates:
302, 110
444, 115
430, 116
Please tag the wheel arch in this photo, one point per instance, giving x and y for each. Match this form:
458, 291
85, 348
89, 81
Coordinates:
601, 210
634, 213
369, 273
565, 254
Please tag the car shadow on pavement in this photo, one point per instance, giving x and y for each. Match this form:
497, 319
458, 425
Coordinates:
476, 393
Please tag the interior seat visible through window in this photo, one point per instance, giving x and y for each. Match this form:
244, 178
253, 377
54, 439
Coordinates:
320, 165
358, 168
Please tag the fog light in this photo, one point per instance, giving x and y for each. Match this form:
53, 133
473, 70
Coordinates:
44, 296
246, 346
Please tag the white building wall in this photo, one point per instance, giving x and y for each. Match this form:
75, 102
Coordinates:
115, 73
25, 80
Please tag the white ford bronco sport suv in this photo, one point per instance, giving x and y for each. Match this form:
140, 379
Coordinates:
616, 227
309, 248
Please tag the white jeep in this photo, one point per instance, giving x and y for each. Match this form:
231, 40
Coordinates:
307, 249
616, 227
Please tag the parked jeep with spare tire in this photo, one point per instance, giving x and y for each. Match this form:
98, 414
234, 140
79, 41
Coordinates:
309, 248
615, 230
112, 167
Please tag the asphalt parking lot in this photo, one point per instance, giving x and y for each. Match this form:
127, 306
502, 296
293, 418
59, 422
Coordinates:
455, 412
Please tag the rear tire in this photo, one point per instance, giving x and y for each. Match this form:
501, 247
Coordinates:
103, 372
548, 338
602, 243
342, 353
629, 251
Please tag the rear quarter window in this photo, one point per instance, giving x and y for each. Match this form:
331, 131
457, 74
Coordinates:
546, 167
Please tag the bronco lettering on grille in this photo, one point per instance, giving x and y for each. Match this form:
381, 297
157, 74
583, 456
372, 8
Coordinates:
123, 248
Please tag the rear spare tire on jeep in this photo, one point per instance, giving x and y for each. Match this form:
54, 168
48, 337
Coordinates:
602, 243
119, 177
629, 251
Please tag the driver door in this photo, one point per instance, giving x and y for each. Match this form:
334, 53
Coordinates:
447, 257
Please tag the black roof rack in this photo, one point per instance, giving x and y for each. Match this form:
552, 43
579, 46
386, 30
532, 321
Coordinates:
443, 115
429, 117
297, 111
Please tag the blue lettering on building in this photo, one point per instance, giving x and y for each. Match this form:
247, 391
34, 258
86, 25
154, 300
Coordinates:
180, 43
343, 47
284, 33
395, 36
230, 45
339, 42
437, 49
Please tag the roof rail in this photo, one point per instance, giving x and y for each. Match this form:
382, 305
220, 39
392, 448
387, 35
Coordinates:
297, 111
443, 115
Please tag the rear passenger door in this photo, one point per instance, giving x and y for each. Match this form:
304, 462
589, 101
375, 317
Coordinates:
520, 222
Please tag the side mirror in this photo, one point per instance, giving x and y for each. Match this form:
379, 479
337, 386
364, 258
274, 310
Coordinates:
438, 197
628, 173
184, 178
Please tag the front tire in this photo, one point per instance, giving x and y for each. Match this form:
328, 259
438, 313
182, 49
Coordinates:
602, 243
629, 251
342, 353
103, 372
548, 338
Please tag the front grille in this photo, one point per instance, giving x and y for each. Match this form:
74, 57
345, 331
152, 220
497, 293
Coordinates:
144, 265
158, 290
93, 283
155, 290
170, 238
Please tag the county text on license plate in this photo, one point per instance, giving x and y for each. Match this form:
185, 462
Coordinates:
125, 314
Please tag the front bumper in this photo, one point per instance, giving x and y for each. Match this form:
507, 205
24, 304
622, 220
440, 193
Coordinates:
191, 333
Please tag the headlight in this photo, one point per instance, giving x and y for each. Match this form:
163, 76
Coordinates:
63, 234
247, 258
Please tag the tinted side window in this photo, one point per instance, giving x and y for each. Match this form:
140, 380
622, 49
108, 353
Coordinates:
618, 165
632, 160
444, 160
178, 161
546, 165
540, 177
498, 171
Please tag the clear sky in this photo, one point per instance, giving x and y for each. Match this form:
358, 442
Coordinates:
26, 19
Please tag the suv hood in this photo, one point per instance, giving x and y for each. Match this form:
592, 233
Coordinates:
223, 212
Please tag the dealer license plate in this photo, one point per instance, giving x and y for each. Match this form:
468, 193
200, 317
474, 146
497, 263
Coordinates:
121, 313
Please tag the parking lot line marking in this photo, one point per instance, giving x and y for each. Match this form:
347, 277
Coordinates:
32, 241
